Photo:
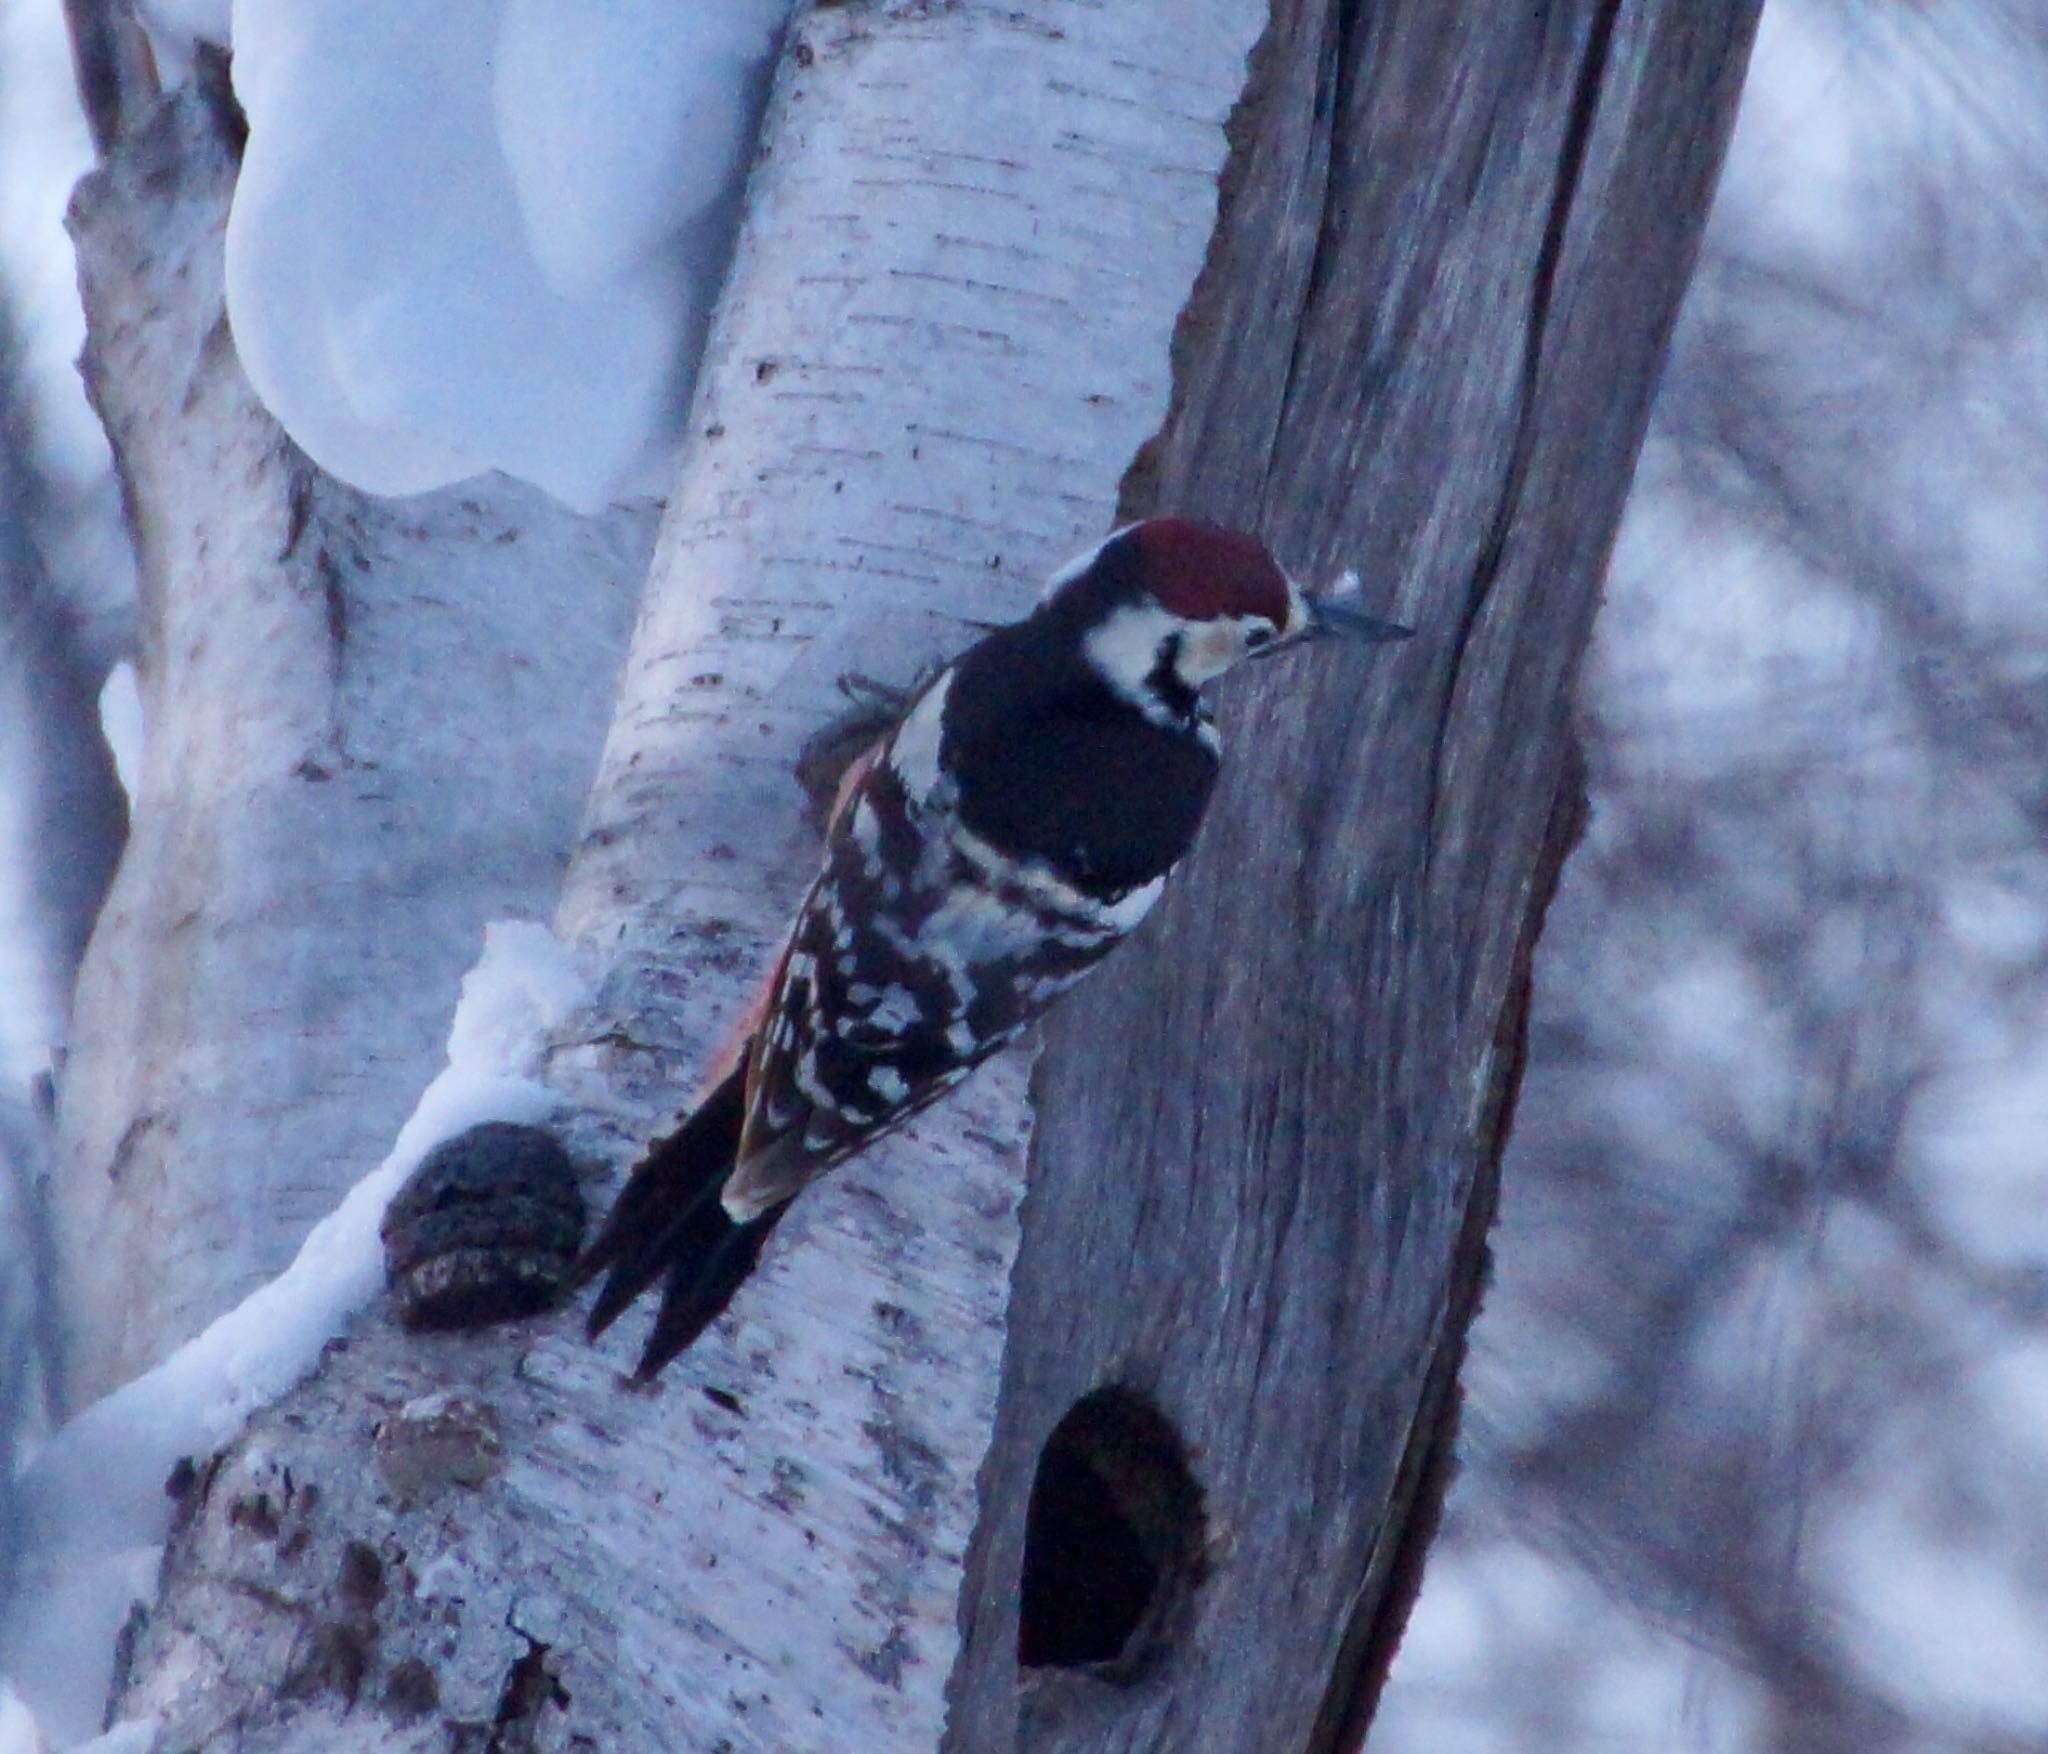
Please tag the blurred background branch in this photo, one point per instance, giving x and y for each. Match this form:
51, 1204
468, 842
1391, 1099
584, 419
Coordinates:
116, 72
1758, 1451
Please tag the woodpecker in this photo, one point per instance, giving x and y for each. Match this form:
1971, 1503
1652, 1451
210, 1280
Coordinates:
1018, 820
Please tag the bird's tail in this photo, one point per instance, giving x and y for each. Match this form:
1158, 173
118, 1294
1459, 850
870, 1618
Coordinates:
668, 1221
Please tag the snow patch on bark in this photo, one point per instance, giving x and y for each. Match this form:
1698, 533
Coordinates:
94, 1505
17, 1725
123, 724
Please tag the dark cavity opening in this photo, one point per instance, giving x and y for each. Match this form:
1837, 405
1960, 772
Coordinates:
1112, 1540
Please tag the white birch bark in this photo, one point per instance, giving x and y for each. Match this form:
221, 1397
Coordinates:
369, 726
968, 239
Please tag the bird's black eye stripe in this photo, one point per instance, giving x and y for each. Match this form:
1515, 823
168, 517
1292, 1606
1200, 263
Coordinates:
1166, 681
1256, 638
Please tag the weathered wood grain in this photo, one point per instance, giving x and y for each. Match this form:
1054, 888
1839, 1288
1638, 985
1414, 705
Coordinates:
1268, 1141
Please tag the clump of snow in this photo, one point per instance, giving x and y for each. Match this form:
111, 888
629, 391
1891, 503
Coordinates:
17, 1725
59, 1646
92, 1497
482, 234
121, 723
604, 157
1346, 586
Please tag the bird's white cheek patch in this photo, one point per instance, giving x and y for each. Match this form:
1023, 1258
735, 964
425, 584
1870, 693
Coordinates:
1125, 648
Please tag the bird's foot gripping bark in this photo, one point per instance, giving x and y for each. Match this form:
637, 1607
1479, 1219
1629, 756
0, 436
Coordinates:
873, 710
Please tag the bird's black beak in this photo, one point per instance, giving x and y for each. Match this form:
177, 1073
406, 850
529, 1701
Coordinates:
1327, 620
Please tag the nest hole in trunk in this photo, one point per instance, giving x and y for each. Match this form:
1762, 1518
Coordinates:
1113, 1541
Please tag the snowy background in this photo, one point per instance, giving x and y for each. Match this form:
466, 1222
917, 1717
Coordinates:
1754, 1454
1757, 1454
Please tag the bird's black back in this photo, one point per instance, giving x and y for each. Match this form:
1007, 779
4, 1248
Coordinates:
1054, 764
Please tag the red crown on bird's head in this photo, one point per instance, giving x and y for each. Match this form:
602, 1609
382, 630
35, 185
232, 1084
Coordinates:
1203, 572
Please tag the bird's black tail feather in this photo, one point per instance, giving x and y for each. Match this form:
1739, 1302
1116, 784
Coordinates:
668, 1224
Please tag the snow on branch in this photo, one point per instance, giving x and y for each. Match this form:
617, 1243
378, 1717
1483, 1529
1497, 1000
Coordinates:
486, 235
92, 1500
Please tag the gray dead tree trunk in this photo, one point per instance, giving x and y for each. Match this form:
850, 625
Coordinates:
1269, 1147
1450, 249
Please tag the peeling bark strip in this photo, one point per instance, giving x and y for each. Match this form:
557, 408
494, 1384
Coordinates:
968, 238
369, 724
1272, 1161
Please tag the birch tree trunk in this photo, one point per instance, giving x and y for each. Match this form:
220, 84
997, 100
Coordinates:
1423, 340
369, 727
